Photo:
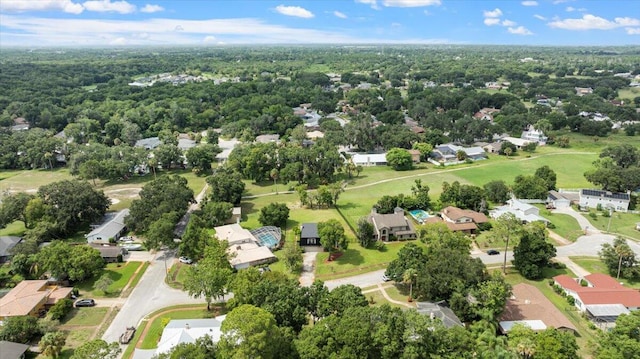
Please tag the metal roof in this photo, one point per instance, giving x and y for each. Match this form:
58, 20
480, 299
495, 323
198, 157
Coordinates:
607, 310
605, 194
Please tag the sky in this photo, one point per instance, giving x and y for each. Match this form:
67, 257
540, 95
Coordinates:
225, 22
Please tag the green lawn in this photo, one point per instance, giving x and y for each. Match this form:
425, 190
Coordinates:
628, 93
119, 274
13, 229
150, 341
565, 225
379, 300
85, 316
356, 260
135, 280
30, 180
619, 223
595, 265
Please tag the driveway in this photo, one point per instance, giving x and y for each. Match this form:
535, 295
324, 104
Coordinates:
308, 268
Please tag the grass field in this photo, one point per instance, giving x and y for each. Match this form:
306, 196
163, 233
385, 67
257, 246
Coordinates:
13, 229
629, 93
565, 225
120, 276
595, 265
85, 316
619, 223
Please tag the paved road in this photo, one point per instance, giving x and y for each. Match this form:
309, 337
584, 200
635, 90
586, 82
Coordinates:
149, 295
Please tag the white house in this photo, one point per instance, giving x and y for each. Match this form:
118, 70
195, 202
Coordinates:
112, 227
558, 200
244, 248
180, 331
522, 211
369, 159
533, 135
518, 142
591, 198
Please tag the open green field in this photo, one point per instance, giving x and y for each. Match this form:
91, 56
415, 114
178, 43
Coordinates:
13, 229
628, 93
356, 260
85, 316
120, 276
619, 223
30, 180
595, 265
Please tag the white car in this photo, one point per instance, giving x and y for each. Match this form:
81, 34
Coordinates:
185, 260
385, 278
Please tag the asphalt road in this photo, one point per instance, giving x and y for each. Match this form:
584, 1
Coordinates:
149, 295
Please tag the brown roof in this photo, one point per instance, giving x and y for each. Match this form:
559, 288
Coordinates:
108, 251
469, 226
455, 213
390, 220
528, 303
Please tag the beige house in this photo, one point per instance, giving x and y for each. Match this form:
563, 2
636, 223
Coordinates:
30, 297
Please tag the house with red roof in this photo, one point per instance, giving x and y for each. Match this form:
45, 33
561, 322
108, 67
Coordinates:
600, 296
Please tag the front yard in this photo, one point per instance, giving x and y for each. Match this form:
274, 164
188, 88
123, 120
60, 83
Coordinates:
120, 273
619, 223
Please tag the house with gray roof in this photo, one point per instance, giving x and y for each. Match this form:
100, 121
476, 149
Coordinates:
11, 350
309, 234
6, 244
436, 311
392, 226
148, 143
616, 201
186, 143
112, 227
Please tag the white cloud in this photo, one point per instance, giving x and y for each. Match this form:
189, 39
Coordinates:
633, 30
591, 22
520, 30
373, 3
121, 7
529, 3
296, 11
411, 3
556, 2
570, 9
149, 8
41, 31
490, 21
492, 13
340, 14
540, 17
67, 6
508, 23
209, 39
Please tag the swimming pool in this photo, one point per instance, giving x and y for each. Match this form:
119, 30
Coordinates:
419, 215
268, 236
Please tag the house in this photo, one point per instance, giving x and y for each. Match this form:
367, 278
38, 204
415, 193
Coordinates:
581, 91
20, 124
533, 135
186, 143
462, 220
245, 250
556, 199
309, 234
392, 226
415, 156
436, 311
493, 147
11, 350
616, 201
518, 142
112, 228
369, 159
527, 304
148, 143
110, 254
448, 154
522, 211
486, 114
183, 331
603, 299
6, 244
31, 297
314, 135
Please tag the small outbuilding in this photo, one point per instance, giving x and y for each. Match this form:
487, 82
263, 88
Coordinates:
11, 350
309, 234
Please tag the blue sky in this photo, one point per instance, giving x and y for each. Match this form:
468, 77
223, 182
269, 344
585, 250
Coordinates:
194, 22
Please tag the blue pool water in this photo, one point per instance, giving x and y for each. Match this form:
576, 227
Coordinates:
419, 215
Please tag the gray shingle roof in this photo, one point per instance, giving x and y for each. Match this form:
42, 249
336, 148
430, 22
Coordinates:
309, 230
6, 243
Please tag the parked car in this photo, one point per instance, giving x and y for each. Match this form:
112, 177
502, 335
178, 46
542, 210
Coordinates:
185, 260
385, 278
493, 252
85, 303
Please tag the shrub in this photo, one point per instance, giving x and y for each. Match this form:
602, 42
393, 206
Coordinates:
583, 283
551, 225
571, 300
61, 309
599, 207
593, 215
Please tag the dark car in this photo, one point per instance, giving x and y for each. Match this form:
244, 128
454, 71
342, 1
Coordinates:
493, 252
85, 303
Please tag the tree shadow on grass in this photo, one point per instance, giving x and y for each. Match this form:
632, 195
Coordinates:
350, 256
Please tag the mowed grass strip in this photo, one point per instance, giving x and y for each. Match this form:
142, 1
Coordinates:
619, 223
356, 260
119, 274
91, 316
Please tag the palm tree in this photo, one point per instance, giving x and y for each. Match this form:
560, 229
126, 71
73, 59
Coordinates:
623, 251
408, 277
51, 343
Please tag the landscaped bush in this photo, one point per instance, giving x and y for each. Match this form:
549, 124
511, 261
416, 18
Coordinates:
551, 225
571, 300
61, 309
583, 283
593, 215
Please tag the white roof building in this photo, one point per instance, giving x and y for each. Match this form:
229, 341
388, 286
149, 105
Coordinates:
112, 227
244, 249
369, 159
522, 211
180, 331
